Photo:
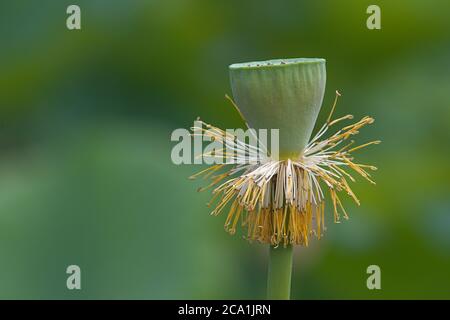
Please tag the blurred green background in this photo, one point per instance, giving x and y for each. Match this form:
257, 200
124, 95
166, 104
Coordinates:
85, 171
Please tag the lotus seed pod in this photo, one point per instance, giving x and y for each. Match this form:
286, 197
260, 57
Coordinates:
280, 201
284, 94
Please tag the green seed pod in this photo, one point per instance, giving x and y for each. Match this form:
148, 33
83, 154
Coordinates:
284, 94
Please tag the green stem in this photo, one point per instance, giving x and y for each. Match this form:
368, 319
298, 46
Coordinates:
279, 275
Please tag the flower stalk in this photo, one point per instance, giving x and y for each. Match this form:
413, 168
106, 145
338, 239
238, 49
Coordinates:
279, 273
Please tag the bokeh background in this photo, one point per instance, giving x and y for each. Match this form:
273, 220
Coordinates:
85, 171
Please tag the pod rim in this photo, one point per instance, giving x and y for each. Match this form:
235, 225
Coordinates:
275, 63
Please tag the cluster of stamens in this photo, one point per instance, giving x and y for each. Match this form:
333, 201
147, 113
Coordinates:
281, 201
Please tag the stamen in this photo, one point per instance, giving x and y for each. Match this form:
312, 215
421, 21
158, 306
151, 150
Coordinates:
334, 106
